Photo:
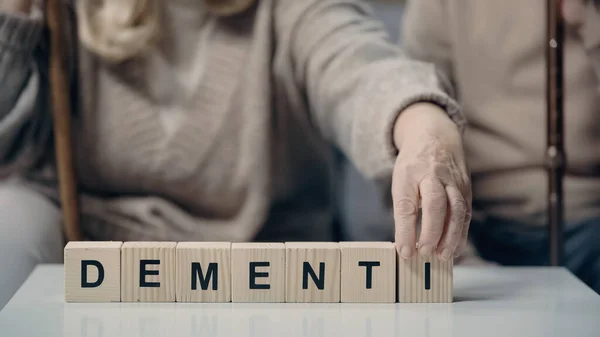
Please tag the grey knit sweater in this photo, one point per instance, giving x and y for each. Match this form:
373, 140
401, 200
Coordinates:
252, 157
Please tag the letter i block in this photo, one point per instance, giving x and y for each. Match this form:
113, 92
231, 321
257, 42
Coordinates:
424, 280
92, 271
148, 272
258, 272
368, 272
204, 272
312, 272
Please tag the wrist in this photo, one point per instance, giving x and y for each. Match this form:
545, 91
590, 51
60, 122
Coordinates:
421, 119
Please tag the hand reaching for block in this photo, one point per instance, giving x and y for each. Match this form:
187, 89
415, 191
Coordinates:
359, 272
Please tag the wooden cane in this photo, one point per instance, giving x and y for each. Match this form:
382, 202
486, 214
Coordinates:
555, 155
61, 113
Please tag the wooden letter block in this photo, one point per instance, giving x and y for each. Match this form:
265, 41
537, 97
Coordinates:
258, 272
204, 272
93, 271
368, 272
148, 272
424, 280
312, 272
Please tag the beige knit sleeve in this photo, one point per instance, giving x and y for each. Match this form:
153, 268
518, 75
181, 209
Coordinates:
355, 80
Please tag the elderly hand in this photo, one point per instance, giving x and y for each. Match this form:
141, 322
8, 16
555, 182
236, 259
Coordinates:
431, 174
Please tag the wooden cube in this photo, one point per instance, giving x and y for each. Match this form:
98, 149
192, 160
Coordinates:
424, 280
148, 272
92, 271
203, 272
258, 272
312, 272
368, 272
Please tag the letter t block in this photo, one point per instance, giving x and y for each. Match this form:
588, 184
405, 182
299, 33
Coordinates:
258, 272
92, 271
368, 272
204, 272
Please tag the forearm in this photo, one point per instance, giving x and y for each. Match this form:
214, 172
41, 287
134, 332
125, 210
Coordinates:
411, 121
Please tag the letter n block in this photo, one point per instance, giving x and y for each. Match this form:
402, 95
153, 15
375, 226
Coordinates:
424, 280
92, 271
258, 272
204, 272
148, 272
312, 272
368, 272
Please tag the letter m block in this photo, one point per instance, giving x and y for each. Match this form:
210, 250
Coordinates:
93, 271
203, 272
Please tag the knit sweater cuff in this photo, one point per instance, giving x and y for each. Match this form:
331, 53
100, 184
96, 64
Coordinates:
20, 33
374, 138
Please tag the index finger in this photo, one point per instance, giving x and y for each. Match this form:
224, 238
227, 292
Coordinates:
406, 200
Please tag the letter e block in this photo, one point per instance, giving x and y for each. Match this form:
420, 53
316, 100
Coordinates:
148, 272
312, 272
204, 272
258, 272
92, 271
368, 272
424, 280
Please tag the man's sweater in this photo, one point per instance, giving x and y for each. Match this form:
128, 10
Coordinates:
250, 156
494, 53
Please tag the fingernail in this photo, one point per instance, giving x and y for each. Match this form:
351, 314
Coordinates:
426, 251
446, 254
406, 252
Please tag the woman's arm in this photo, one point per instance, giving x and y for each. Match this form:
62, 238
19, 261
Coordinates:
356, 80
362, 93
20, 80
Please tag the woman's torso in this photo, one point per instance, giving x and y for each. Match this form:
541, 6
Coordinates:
229, 159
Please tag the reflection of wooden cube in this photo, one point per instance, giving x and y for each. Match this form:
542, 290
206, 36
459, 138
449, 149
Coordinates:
148, 272
424, 280
258, 272
368, 272
203, 272
312, 272
93, 271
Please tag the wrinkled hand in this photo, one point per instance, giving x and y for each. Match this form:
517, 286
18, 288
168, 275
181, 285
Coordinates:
431, 174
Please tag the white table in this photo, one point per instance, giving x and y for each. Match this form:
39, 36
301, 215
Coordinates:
506, 302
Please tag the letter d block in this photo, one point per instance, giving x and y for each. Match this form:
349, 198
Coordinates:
92, 271
258, 272
368, 272
148, 272
204, 272
312, 272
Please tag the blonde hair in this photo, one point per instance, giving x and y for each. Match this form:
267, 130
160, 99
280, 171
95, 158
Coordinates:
118, 30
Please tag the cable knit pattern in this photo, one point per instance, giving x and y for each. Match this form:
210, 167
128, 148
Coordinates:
252, 157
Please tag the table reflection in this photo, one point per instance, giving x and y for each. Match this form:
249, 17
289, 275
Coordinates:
251, 320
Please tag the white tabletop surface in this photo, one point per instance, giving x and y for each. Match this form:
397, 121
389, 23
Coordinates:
506, 302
